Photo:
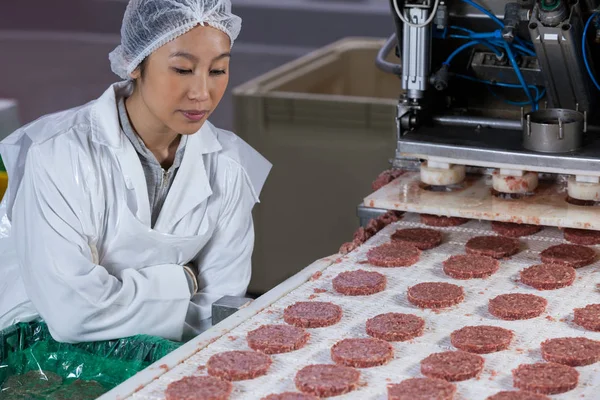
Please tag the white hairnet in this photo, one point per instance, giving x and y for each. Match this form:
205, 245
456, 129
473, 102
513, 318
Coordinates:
149, 24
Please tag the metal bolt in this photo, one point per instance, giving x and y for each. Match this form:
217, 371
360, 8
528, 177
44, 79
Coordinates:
561, 133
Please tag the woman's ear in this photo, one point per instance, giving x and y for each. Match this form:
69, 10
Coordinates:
136, 73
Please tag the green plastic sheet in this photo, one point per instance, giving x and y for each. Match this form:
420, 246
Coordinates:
34, 366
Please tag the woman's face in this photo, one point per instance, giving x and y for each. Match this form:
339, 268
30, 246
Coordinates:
184, 80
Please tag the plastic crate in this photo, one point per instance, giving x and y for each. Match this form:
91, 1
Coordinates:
327, 123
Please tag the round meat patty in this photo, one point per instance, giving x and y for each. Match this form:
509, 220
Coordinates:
545, 378
290, 396
395, 327
394, 254
359, 283
493, 246
518, 395
588, 317
517, 306
584, 237
421, 238
513, 230
326, 380
481, 339
452, 366
199, 388
570, 254
442, 222
470, 266
275, 339
435, 295
575, 352
312, 314
238, 365
422, 389
362, 353
548, 276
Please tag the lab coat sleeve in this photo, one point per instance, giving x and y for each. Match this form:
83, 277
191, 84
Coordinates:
55, 232
225, 264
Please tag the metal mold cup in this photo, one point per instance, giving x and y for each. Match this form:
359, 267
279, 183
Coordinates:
554, 130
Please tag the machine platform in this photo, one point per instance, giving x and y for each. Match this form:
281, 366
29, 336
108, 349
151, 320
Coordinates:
548, 206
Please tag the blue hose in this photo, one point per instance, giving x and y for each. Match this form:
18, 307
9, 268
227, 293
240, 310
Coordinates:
486, 12
538, 97
513, 61
459, 49
584, 47
483, 42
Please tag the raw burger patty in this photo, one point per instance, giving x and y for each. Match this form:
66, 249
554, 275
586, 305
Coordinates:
436, 220
238, 365
422, 389
515, 306
435, 295
493, 246
362, 353
312, 314
588, 317
518, 395
452, 366
575, 352
514, 230
326, 380
199, 388
548, 276
582, 236
394, 254
422, 238
359, 283
290, 396
469, 266
481, 339
395, 327
274, 339
545, 378
571, 254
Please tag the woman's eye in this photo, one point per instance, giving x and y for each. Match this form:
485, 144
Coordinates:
182, 71
218, 72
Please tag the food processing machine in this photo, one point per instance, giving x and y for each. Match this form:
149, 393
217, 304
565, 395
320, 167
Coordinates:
504, 89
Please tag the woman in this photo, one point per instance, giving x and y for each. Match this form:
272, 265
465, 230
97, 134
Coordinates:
132, 214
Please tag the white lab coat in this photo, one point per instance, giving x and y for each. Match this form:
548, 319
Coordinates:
75, 236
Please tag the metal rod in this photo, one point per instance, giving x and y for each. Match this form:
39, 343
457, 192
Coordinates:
472, 121
494, 123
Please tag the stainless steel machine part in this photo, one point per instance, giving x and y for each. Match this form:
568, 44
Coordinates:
227, 306
416, 53
553, 130
365, 214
